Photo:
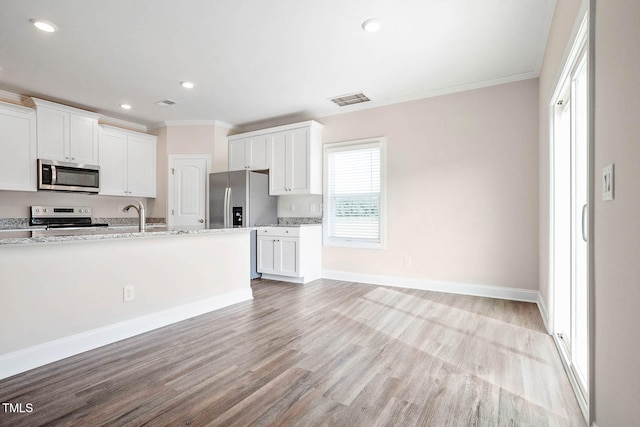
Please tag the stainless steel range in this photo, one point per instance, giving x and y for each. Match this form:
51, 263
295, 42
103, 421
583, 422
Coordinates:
63, 217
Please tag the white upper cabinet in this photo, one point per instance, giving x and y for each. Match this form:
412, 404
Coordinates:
141, 165
17, 148
296, 161
249, 153
66, 134
127, 163
292, 153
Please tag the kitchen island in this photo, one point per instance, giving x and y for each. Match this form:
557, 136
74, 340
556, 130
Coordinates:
62, 295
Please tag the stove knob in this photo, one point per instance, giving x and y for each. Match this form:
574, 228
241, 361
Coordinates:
45, 210
37, 209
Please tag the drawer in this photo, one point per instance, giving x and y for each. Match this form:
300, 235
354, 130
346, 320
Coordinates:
279, 231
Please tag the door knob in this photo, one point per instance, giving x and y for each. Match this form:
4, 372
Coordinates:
201, 221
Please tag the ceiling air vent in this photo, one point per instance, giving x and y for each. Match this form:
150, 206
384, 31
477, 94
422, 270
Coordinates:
356, 98
165, 103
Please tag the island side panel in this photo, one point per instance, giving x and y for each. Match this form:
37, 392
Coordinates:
55, 290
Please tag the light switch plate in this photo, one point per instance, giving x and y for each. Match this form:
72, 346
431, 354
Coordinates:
607, 182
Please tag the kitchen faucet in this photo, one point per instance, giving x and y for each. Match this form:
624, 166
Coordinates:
141, 214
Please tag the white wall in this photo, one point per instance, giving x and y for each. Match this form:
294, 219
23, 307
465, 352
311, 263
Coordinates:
77, 286
15, 204
462, 187
196, 138
617, 223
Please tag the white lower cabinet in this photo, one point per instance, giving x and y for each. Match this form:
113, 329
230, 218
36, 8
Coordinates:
292, 254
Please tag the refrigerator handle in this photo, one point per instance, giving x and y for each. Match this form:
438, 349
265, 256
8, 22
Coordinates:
226, 207
229, 218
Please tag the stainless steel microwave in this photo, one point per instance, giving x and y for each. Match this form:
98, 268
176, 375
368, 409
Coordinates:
64, 176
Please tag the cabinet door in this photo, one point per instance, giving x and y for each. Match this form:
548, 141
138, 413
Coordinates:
17, 151
237, 155
266, 255
83, 139
257, 153
113, 164
278, 172
141, 166
287, 256
53, 134
298, 161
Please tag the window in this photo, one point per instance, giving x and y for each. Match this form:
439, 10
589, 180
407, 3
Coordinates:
354, 196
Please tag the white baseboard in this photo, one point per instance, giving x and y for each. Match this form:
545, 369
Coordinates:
514, 294
544, 313
32, 357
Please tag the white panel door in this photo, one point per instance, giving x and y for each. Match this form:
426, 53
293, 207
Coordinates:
17, 149
298, 161
141, 166
237, 159
188, 187
83, 139
113, 164
257, 153
278, 172
53, 134
288, 256
267, 255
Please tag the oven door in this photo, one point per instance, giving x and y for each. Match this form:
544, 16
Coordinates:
64, 176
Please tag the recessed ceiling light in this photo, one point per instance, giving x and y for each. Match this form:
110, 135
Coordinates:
43, 25
125, 106
187, 84
371, 25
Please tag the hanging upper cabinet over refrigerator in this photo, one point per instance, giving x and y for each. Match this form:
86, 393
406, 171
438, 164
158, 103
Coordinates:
293, 156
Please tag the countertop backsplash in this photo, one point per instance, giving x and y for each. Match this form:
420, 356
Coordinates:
18, 223
13, 223
299, 220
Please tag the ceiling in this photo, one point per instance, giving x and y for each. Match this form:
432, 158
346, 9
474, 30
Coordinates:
255, 60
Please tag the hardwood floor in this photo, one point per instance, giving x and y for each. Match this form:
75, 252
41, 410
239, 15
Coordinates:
328, 353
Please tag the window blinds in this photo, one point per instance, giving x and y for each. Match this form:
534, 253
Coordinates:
353, 187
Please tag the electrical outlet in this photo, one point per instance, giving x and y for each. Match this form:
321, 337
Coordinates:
128, 293
607, 182
408, 261
292, 207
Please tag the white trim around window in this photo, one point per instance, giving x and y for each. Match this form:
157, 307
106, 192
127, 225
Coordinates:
354, 205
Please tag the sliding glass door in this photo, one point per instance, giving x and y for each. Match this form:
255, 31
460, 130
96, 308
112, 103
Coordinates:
569, 221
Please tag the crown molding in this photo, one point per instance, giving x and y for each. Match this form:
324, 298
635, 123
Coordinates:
119, 123
13, 97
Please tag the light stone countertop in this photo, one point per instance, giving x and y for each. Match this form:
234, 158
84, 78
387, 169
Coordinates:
27, 236
287, 225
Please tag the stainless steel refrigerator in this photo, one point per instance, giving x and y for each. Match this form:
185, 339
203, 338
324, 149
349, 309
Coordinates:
241, 199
